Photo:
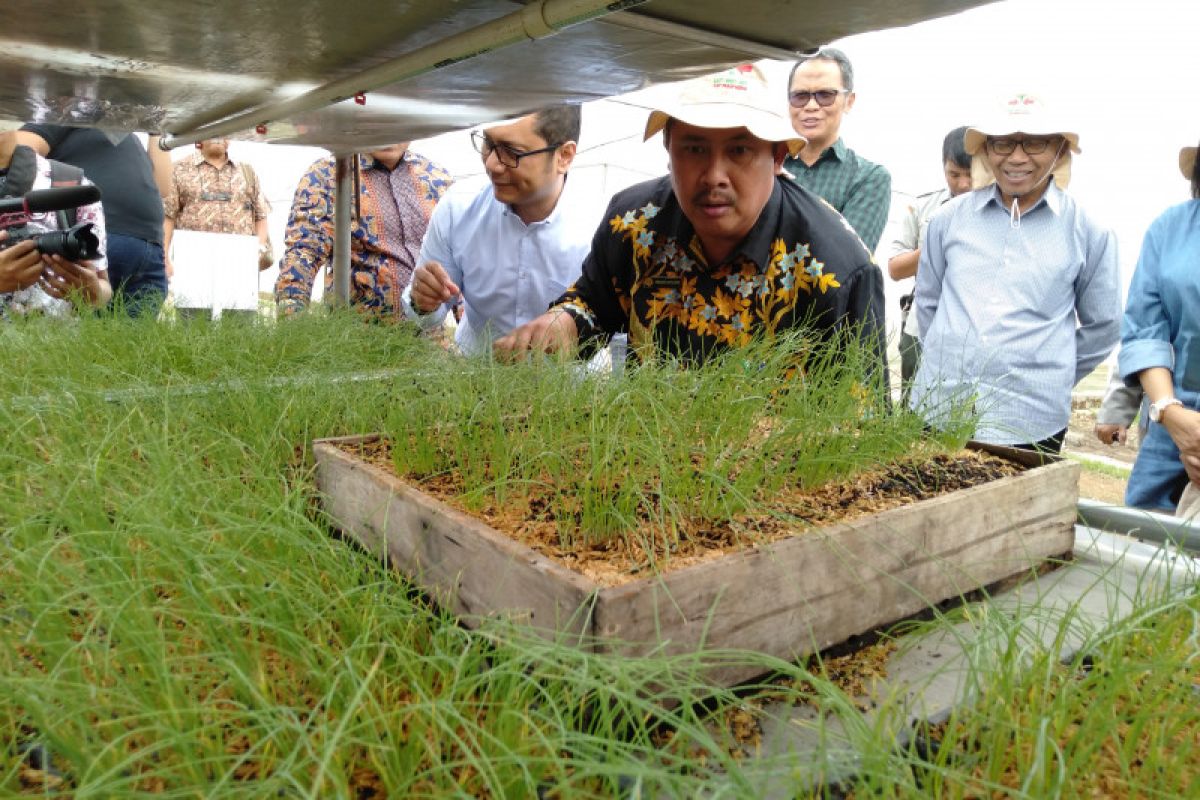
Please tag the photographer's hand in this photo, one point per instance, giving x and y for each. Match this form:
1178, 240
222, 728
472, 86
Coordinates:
62, 279
20, 265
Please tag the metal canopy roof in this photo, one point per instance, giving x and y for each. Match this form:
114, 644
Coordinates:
427, 66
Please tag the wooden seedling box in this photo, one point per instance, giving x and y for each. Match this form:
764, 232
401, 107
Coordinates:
786, 599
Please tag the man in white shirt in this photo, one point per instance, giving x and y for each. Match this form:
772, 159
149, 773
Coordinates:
514, 246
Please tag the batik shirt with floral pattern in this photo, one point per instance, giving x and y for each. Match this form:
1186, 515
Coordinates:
800, 265
391, 216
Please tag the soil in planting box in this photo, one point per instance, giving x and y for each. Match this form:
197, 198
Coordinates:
801, 591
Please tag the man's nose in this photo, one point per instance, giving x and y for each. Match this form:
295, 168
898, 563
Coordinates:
716, 170
491, 163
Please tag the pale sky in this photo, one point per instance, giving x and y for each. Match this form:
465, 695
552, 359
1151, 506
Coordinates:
1125, 75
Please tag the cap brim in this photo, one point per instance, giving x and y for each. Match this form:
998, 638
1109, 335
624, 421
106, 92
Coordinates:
1187, 162
974, 138
767, 127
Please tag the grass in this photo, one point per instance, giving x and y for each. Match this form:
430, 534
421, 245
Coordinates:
1100, 467
661, 449
176, 620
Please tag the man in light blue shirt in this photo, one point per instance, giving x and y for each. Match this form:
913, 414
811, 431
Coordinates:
511, 248
1017, 293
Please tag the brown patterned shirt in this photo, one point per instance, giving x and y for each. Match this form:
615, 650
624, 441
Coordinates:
215, 200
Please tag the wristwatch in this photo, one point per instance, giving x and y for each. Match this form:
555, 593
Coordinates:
1157, 409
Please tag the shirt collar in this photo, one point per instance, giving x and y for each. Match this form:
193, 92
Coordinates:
198, 160
368, 161
1052, 198
835, 152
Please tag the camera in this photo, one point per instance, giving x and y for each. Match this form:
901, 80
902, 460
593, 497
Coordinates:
78, 243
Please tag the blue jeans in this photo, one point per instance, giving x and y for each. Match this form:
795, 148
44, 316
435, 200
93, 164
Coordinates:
1158, 478
137, 274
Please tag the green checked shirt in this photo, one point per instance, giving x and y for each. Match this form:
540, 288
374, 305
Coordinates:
860, 189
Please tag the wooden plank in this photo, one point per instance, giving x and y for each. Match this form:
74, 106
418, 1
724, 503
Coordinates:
822, 587
470, 568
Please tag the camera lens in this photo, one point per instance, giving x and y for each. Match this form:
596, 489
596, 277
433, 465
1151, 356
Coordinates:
75, 244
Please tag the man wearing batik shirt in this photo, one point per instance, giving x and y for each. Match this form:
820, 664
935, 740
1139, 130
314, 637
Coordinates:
397, 192
722, 249
33, 282
212, 193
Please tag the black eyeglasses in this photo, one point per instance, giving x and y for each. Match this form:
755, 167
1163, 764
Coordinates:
1032, 145
824, 97
504, 154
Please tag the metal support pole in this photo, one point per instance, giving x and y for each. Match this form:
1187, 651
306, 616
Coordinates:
1146, 525
342, 197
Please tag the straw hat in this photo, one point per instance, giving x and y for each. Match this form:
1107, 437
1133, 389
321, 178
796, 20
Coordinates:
1187, 161
1020, 113
735, 98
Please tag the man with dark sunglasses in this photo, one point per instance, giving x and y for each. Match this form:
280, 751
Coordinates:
820, 94
509, 249
1017, 294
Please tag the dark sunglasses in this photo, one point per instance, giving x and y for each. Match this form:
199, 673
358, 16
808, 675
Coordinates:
824, 97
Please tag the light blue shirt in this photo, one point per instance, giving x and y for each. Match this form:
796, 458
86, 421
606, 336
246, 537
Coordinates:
1013, 312
1162, 317
509, 272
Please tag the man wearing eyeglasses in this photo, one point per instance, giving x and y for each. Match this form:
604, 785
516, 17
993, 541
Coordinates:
509, 249
820, 94
1017, 293
395, 194
720, 251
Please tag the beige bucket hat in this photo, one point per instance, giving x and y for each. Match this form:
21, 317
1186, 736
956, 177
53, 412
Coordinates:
1020, 113
736, 98
1187, 161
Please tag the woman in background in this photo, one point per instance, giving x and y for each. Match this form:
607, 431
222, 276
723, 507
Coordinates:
1160, 348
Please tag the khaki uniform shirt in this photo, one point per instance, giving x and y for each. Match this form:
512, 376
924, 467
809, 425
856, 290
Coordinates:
910, 237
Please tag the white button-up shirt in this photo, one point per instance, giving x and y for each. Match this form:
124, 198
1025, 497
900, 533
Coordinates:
508, 272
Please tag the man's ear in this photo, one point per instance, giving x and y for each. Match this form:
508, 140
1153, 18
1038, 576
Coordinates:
850, 100
565, 155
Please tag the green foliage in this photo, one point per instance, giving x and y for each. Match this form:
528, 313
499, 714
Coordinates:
176, 619
656, 445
